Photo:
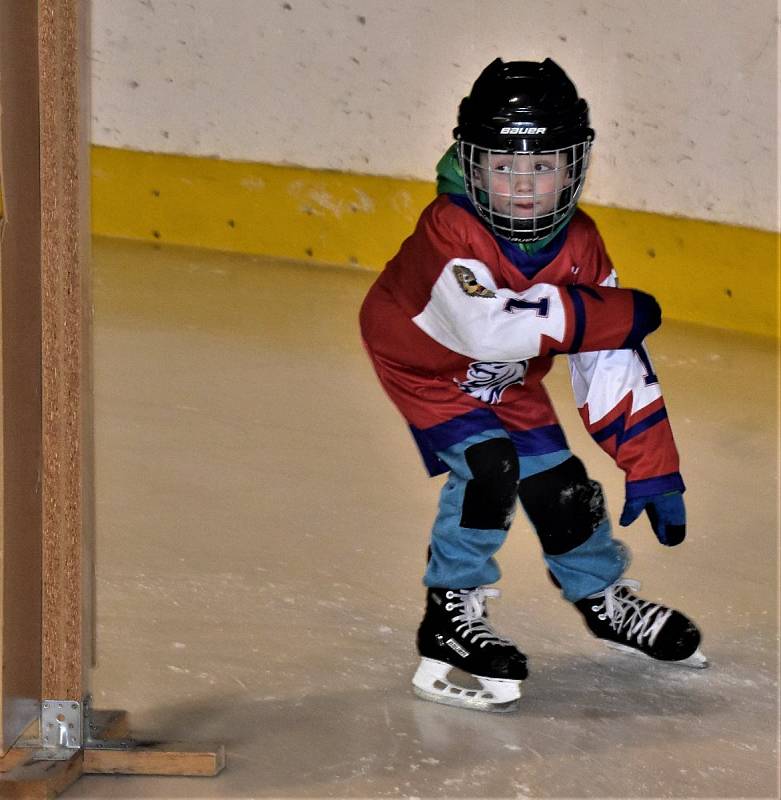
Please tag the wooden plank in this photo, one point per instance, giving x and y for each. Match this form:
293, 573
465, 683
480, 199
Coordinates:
13, 758
40, 780
20, 373
157, 758
68, 493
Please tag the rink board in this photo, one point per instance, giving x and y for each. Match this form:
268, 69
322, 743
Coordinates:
704, 272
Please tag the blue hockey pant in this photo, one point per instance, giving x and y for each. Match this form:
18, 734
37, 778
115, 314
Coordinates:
480, 498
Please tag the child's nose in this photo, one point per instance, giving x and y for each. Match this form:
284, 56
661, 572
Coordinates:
523, 180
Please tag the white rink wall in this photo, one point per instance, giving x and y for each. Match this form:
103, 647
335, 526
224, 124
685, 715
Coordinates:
683, 92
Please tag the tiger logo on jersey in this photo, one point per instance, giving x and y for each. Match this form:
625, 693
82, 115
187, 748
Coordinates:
487, 380
468, 282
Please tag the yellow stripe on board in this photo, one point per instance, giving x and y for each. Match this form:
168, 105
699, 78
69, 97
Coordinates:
702, 272
287, 212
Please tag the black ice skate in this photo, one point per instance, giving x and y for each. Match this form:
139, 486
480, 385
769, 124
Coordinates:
626, 622
455, 633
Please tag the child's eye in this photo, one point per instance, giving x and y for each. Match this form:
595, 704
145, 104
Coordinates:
502, 168
542, 166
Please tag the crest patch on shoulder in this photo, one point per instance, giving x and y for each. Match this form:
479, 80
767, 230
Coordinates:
468, 283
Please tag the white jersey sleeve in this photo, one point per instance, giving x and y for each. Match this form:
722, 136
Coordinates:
620, 402
600, 380
469, 315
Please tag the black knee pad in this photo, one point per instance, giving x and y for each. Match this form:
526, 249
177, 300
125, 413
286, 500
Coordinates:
490, 496
564, 505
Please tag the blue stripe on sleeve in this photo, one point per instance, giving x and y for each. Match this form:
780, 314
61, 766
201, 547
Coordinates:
580, 319
659, 485
617, 427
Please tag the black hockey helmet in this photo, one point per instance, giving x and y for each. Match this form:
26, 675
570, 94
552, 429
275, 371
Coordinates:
531, 111
522, 106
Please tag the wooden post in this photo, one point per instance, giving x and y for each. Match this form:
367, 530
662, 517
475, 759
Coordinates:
46, 430
20, 374
68, 495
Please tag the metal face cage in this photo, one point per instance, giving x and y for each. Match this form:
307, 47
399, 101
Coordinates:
524, 195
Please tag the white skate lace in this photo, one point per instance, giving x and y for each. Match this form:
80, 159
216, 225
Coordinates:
472, 622
629, 614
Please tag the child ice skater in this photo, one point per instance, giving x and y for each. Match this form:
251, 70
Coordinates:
502, 273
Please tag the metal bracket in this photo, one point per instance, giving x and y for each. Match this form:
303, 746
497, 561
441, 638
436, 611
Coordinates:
92, 742
62, 723
113, 744
67, 726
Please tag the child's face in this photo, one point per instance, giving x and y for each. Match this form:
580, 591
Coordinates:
522, 185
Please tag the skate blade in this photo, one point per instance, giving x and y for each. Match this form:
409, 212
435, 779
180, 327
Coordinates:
494, 694
696, 660
473, 704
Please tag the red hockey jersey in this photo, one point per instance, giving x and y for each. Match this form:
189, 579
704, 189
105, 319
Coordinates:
461, 339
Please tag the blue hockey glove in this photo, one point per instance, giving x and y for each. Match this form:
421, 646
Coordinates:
666, 512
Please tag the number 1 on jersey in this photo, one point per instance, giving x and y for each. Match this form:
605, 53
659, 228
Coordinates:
541, 306
649, 376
